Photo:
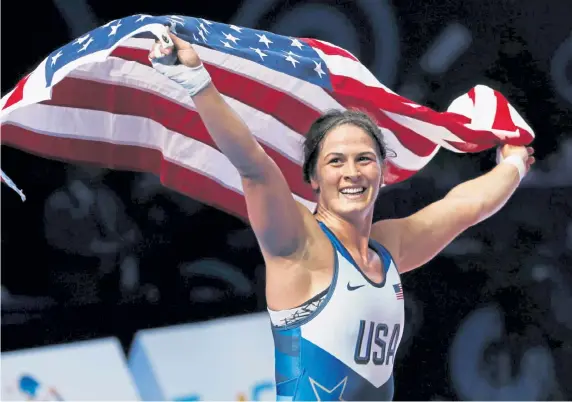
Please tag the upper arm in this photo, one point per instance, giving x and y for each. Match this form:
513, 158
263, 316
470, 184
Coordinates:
273, 213
415, 240
277, 219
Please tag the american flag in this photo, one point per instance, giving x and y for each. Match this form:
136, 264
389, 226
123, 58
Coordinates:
97, 100
398, 291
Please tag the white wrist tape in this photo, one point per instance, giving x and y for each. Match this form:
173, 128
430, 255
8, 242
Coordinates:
193, 79
517, 162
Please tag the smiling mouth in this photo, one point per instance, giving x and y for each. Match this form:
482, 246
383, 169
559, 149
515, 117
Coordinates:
353, 192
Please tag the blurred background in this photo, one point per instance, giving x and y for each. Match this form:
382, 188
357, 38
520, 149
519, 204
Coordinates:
164, 288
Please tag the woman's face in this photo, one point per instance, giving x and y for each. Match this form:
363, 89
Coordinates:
348, 171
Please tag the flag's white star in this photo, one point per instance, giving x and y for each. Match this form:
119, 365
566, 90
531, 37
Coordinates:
206, 21
259, 52
292, 60
109, 23
174, 20
114, 29
296, 43
142, 17
237, 29
203, 27
55, 57
85, 45
265, 40
322, 393
226, 44
202, 35
230, 37
290, 53
81, 39
318, 68
195, 38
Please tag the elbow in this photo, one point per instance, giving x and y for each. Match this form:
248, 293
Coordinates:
488, 207
478, 212
255, 165
480, 209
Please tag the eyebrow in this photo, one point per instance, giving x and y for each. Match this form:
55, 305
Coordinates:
341, 154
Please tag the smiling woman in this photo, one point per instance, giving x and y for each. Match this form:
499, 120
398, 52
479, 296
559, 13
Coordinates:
331, 120
344, 143
333, 285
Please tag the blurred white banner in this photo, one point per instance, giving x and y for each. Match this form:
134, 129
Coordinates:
227, 359
91, 370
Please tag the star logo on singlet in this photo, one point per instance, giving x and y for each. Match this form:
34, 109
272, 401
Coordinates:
324, 394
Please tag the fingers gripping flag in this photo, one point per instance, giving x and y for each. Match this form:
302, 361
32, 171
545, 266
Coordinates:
98, 100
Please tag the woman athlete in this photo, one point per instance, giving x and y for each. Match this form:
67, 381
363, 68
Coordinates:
333, 285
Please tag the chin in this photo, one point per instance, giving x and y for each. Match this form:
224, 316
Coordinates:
354, 209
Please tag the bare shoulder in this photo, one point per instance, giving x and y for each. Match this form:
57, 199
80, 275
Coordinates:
292, 280
388, 233
316, 244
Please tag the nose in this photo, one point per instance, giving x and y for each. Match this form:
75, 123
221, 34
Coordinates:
351, 172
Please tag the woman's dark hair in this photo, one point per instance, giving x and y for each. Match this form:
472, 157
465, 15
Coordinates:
330, 120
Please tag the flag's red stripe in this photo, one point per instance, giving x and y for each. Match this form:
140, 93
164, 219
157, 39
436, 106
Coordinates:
131, 53
472, 94
393, 174
503, 120
382, 99
128, 157
18, 93
118, 99
328, 49
290, 111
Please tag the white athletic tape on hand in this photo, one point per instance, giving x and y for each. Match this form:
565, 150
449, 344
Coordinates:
514, 160
193, 79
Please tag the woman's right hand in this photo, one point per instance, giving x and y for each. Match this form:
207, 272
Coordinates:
186, 54
525, 153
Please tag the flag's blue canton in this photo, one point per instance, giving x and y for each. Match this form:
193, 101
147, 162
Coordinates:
398, 290
281, 53
102, 38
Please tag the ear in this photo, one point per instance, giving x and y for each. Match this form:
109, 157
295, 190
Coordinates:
314, 184
383, 171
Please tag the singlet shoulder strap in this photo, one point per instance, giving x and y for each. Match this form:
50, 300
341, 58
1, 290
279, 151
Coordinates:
384, 253
335, 241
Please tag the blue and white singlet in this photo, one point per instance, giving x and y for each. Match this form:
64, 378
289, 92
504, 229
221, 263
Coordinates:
341, 344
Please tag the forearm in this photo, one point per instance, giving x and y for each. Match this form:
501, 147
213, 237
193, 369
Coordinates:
229, 132
489, 192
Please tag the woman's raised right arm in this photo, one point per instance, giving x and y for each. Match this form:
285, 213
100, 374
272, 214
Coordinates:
276, 218
231, 134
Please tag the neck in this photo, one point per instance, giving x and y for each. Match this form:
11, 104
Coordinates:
354, 233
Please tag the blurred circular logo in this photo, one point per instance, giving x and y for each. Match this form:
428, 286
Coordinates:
29, 388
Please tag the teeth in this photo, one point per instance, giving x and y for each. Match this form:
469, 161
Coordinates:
353, 190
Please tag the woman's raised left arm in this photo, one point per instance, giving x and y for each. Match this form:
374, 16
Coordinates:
416, 239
